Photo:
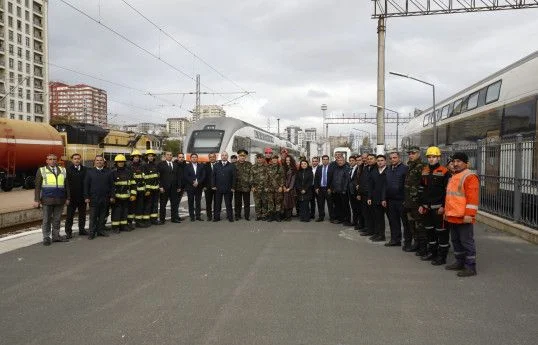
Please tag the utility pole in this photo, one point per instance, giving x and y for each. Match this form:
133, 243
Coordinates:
197, 111
324, 111
381, 30
278, 128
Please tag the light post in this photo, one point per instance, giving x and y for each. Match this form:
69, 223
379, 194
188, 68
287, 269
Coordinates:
433, 108
397, 120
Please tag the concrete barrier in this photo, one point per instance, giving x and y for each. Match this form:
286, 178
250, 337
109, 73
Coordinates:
506, 225
20, 217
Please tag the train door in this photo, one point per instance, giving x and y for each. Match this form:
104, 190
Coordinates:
492, 161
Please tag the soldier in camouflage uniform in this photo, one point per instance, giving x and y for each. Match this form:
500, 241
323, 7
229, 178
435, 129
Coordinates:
276, 184
412, 203
260, 177
243, 184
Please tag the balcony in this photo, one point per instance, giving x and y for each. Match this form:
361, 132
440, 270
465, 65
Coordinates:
37, 22
38, 10
38, 111
37, 35
38, 73
38, 60
2, 63
38, 97
38, 48
38, 86
3, 105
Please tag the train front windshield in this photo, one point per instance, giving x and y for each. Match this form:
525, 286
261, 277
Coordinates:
205, 141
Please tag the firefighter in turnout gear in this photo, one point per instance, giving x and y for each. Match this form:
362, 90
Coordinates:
412, 200
151, 200
260, 190
123, 192
136, 208
432, 203
275, 188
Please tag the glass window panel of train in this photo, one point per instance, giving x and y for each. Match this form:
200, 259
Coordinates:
494, 90
426, 120
473, 101
437, 115
457, 107
444, 112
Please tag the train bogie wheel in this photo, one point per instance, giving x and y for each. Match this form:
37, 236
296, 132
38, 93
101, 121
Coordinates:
29, 182
7, 184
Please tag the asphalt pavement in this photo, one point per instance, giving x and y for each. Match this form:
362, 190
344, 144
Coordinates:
263, 283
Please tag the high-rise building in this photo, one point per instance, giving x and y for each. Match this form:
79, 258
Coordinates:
24, 60
292, 134
311, 134
211, 111
145, 127
81, 103
177, 126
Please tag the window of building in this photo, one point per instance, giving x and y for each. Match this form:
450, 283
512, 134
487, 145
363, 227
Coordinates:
11, 49
27, 55
11, 77
19, 52
27, 28
10, 21
20, 92
12, 116
20, 117
28, 95
493, 93
27, 41
11, 105
10, 7
10, 35
20, 106
19, 38
11, 63
28, 82
19, 12
19, 25
19, 66
27, 68
28, 107
26, 3
26, 15
28, 118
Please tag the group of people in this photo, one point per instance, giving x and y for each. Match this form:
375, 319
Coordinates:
430, 202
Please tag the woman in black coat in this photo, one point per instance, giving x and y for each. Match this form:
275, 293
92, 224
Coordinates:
303, 186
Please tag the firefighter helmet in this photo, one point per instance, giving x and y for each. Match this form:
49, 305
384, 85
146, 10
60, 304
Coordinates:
119, 158
150, 152
136, 153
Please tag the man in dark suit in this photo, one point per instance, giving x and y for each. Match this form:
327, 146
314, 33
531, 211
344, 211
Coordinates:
193, 178
75, 179
169, 186
208, 188
182, 165
321, 185
377, 198
223, 182
352, 189
98, 185
315, 165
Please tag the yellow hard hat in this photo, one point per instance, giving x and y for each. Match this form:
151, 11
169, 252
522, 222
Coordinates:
136, 153
433, 151
119, 158
150, 152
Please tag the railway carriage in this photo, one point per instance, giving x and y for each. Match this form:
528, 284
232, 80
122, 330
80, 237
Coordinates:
215, 135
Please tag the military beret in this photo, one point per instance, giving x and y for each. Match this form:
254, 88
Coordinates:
413, 149
259, 155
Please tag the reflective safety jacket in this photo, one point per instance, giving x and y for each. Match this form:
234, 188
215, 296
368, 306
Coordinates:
462, 197
53, 186
433, 186
138, 175
124, 184
151, 176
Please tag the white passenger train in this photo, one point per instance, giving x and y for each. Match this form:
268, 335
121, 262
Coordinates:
493, 110
218, 134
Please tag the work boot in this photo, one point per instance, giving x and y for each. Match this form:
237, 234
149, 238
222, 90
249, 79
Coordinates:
69, 235
455, 266
116, 229
439, 260
422, 249
431, 254
467, 272
278, 218
270, 217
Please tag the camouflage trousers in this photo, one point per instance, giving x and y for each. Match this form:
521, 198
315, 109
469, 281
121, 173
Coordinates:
416, 224
260, 203
274, 200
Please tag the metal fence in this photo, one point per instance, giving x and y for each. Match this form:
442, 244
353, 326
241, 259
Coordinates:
508, 171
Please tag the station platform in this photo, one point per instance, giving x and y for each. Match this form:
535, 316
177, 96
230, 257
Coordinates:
263, 283
16, 208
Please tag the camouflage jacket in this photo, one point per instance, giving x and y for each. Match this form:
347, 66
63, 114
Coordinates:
260, 177
276, 177
243, 183
412, 184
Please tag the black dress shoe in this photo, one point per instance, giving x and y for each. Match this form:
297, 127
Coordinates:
209, 218
161, 222
231, 220
47, 241
103, 234
216, 220
247, 219
347, 224
319, 220
359, 228
392, 244
82, 232
364, 233
176, 221
92, 236
379, 239
69, 235
60, 239
199, 219
371, 238
193, 219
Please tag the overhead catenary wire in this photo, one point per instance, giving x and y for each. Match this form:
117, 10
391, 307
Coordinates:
167, 34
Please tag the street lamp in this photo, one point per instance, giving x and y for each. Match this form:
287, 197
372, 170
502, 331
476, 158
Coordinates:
433, 108
397, 120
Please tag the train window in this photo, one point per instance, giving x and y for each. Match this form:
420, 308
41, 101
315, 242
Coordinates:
481, 97
437, 115
426, 120
519, 118
456, 109
444, 112
464, 104
205, 141
493, 92
473, 101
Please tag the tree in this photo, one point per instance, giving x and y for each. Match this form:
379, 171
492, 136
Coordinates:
173, 146
62, 119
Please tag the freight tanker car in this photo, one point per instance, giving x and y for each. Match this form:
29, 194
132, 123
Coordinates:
24, 146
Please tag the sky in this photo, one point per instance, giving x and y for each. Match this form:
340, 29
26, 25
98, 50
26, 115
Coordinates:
294, 54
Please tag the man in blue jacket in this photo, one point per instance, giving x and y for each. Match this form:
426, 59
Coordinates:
98, 194
396, 173
223, 182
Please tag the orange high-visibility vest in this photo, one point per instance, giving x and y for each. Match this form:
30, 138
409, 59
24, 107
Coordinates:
461, 196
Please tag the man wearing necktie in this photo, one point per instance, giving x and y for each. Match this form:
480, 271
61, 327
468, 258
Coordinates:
321, 186
193, 178
209, 167
76, 173
170, 186
223, 182
52, 193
